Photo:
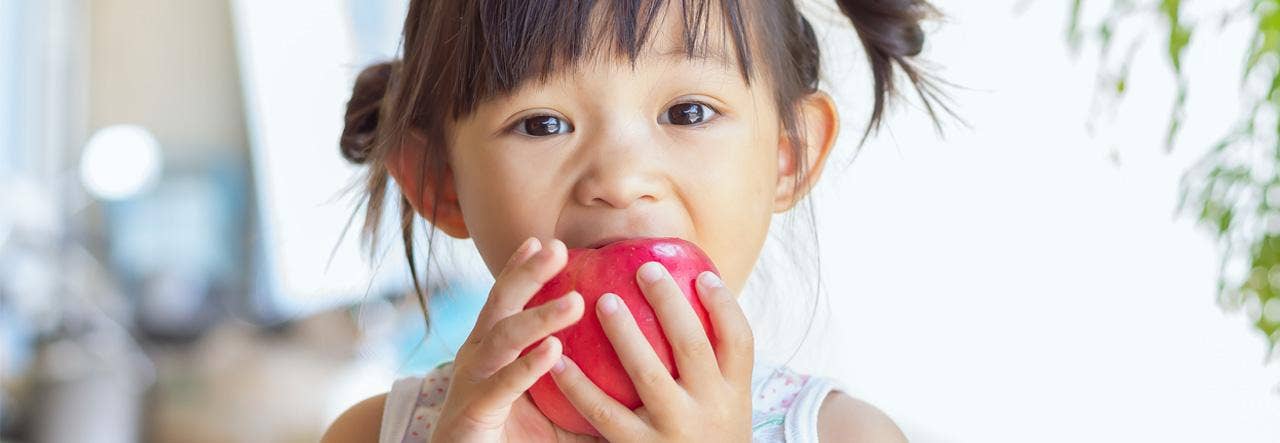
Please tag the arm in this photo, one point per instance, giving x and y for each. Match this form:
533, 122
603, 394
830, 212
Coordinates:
360, 423
847, 419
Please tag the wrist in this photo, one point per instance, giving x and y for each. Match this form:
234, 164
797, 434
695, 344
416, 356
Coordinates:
455, 428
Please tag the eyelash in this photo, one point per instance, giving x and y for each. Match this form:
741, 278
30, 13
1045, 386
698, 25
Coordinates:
522, 126
711, 110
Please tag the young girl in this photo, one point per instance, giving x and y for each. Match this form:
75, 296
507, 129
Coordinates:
536, 126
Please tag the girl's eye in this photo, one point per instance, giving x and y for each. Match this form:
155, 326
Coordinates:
690, 113
544, 125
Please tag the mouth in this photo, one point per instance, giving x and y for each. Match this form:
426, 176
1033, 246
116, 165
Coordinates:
606, 241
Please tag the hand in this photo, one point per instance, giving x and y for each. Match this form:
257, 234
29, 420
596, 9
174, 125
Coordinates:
486, 401
712, 399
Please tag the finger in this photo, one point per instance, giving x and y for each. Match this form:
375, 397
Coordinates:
513, 334
514, 379
614, 420
514, 287
526, 251
530, 246
735, 345
695, 359
652, 380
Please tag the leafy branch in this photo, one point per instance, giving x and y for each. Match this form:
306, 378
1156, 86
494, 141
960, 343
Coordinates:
1233, 190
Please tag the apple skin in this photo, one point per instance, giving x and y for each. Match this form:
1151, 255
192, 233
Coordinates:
612, 268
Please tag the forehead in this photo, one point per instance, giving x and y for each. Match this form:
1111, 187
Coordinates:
526, 40
679, 29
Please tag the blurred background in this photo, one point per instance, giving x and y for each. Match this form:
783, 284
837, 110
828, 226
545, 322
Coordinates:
1087, 255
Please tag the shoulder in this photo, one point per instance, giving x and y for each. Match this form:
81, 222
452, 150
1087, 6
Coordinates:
360, 423
843, 418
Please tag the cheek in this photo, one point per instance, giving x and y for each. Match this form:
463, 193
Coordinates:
732, 203
496, 204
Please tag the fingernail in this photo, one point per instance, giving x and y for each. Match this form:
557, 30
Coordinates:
608, 303
650, 272
520, 255
524, 247
531, 247
710, 280
565, 302
547, 250
550, 247
559, 366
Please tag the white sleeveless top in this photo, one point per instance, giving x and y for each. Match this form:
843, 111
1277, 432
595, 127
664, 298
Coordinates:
784, 405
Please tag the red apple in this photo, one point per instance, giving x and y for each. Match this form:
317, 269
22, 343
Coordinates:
612, 268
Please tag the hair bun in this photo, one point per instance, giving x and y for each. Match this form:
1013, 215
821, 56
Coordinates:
890, 26
362, 112
891, 36
909, 40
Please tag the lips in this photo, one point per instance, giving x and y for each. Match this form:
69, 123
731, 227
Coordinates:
605, 241
602, 233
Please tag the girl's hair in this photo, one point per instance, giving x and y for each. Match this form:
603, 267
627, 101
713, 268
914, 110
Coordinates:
459, 53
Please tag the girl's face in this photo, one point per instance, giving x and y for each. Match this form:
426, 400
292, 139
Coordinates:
674, 147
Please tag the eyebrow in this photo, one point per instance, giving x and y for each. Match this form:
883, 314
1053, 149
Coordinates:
712, 54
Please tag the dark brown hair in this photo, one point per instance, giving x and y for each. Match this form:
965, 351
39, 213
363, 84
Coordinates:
459, 53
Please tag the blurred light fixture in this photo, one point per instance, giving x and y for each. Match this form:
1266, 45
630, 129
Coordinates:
119, 162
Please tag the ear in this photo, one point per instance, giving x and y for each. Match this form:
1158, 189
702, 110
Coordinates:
407, 165
819, 122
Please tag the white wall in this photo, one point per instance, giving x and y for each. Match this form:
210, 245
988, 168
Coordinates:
1015, 283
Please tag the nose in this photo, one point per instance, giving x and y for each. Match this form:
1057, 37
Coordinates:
622, 170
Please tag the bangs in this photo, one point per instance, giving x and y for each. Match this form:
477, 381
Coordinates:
501, 44
457, 54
